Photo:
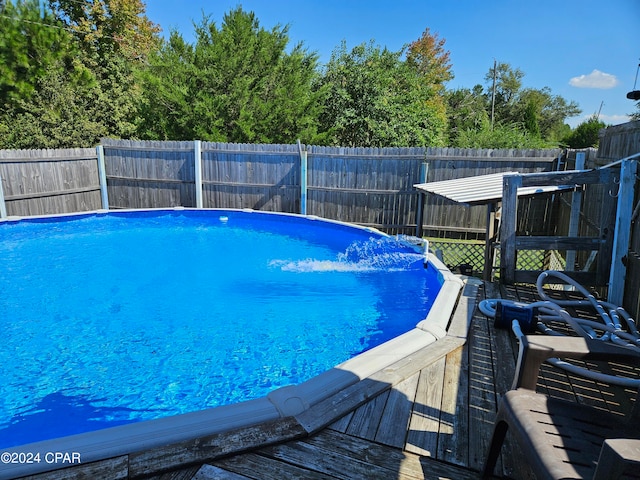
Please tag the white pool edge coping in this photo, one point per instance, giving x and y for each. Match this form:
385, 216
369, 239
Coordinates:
281, 403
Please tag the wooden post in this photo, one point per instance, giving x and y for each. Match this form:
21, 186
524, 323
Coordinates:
102, 175
574, 219
420, 215
488, 241
303, 179
424, 175
3, 207
197, 159
508, 224
424, 172
622, 232
303, 182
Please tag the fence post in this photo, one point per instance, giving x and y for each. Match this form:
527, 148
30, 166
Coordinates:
424, 176
303, 179
508, 225
197, 159
3, 207
102, 174
574, 219
622, 232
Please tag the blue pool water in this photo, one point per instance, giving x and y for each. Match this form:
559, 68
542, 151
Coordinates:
115, 318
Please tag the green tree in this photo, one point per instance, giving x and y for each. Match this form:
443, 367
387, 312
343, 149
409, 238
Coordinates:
59, 114
586, 134
500, 136
503, 97
376, 99
237, 84
536, 112
66, 70
43, 83
531, 121
466, 111
31, 45
105, 28
115, 37
433, 64
550, 111
636, 115
166, 112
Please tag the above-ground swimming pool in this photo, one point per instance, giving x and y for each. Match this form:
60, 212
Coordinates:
114, 318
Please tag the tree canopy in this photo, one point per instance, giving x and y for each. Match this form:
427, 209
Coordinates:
30, 47
585, 135
73, 66
374, 98
533, 117
636, 114
104, 28
236, 84
74, 71
432, 61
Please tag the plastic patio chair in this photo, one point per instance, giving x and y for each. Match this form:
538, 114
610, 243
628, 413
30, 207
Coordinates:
563, 439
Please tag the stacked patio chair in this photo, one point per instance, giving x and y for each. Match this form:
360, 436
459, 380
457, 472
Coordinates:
562, 439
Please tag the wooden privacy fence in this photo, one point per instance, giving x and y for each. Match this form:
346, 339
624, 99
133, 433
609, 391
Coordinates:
149, 174
368, 186
43, 182
618, 142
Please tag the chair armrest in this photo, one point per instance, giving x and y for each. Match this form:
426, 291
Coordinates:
617, 456
535, 349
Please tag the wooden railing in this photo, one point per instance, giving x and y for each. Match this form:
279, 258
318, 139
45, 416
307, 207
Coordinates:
611, 244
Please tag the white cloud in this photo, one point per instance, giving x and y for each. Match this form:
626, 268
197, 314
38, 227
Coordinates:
595, 79
615, 119
607, 119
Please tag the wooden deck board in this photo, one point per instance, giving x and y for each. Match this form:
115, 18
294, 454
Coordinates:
396, 415
453, 438
342, 424
345, 456
424, 424
387, 459
263, 467
482, 395
504, 351
361, 424
186, 474
345, 462
209, 472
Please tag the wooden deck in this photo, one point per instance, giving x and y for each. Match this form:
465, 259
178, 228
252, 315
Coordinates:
434, 422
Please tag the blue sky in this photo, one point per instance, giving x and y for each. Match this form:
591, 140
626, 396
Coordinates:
587, 51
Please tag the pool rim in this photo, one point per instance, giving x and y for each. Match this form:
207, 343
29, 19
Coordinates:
284, 402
